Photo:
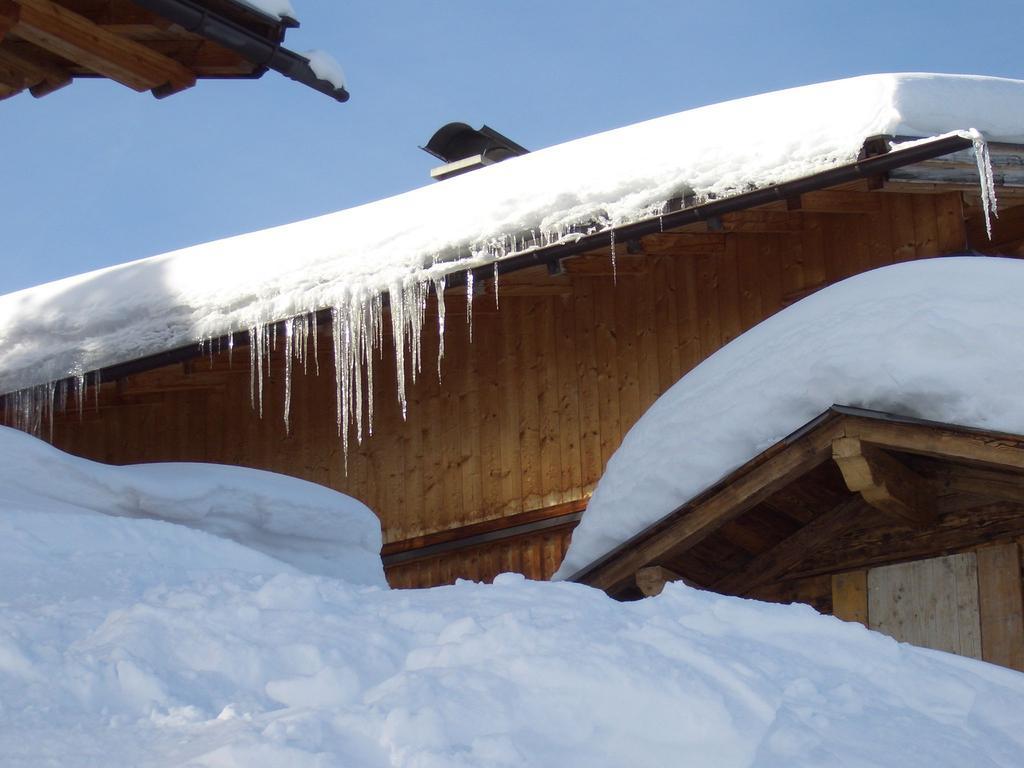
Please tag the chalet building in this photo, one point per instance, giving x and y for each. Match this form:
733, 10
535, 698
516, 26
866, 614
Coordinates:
161, 46
554, 347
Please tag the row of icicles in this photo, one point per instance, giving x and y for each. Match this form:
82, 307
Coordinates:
357, 332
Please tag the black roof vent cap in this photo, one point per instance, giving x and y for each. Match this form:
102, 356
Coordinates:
463, 149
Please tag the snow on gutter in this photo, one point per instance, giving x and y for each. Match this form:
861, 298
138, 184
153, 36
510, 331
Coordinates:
526, 210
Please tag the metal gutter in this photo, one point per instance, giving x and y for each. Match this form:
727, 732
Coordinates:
550, 255
262, 52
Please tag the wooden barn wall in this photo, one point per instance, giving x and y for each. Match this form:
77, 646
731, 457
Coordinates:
527, 415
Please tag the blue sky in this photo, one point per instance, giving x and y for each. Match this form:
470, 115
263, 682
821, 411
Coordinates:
97, 174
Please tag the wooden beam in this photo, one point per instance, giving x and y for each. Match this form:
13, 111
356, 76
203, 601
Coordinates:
735, 495
652, 579
44, 78
941, 441
76, 38
773, 564
883, 481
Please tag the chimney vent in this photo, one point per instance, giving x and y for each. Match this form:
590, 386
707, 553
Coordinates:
463, 149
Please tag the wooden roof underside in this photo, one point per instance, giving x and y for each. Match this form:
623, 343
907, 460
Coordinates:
852, 489
44, 45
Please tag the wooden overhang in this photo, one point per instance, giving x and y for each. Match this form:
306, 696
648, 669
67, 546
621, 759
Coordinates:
161, 46
851, 489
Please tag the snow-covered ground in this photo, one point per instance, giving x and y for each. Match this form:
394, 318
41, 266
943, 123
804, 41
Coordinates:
131, 641
939, 339
405, 245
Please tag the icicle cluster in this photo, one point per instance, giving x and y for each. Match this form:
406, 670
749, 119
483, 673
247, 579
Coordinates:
357, 328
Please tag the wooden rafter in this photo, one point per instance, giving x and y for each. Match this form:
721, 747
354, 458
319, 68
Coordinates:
777, 561
736, 495
77, 39
883, 481
41, 77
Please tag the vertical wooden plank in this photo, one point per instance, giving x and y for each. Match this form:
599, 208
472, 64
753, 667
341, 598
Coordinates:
469, 422
529, 404
1000, 605
707, 310
664, 281
456, 351
813, 249
508, 371
968, 616
901, 222
739, 296
569, 427
850, 596
587, 376
492, 469
691, 350
925, 227
607, 370
623, 300
548, 400
949, 222
647, 341
770, 273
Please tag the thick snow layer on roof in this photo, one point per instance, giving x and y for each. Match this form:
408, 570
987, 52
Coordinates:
305, 525
938, 339
348, 259
133, 642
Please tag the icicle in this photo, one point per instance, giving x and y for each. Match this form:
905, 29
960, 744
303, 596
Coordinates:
439, 294
496, 307
289, 329
398, 332
469, 303
316, 344
231, 348
985, 178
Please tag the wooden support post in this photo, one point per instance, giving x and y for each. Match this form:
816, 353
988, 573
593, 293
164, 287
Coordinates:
652, 579
1000, 605
850, 596
883, 481
76, 38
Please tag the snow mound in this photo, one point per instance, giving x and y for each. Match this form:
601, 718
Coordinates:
404, 246
938, 339
127, 642
307, 526
276, 9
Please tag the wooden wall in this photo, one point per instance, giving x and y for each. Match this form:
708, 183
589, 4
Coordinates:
527, 415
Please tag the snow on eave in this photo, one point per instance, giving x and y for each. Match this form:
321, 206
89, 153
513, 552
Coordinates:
405, 246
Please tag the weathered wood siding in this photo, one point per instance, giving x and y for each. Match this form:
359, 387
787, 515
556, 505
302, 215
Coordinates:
527, 415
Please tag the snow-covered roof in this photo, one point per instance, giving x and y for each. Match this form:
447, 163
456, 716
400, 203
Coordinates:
938, 339
403, 245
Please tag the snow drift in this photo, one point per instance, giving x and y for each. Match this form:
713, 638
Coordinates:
127, 641
404, 246
938, 339
300, 523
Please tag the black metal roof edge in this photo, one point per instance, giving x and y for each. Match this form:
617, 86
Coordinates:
545, 255
262, 52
